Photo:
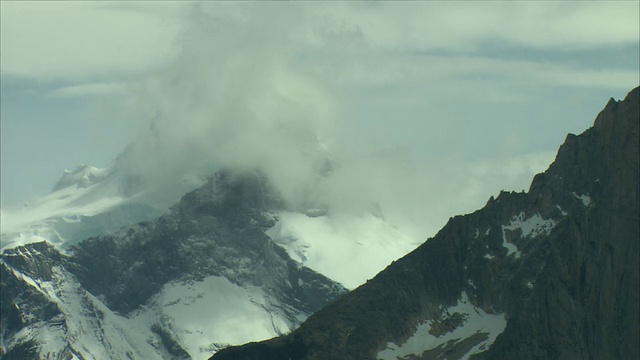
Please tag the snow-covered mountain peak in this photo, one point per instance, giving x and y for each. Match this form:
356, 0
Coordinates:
82, 176
86, 201
200, 277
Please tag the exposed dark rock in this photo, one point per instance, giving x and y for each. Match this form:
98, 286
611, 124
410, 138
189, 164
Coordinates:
173, 347
20, 304
25, 350
568, 288
35, 260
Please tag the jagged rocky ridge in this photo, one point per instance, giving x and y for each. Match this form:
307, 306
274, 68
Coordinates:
548, 274
80, 304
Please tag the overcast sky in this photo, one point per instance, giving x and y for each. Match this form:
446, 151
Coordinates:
481, 93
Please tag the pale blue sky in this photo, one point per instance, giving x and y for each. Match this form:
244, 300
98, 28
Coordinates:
468, 83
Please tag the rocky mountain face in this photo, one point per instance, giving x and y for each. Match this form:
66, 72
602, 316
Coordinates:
138, 292
548, 274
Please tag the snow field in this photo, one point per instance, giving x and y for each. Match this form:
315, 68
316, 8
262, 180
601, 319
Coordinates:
349, 250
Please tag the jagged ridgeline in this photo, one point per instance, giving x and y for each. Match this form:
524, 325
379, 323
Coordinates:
547, 274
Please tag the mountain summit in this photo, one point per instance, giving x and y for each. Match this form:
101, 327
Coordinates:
548, 274
201, 277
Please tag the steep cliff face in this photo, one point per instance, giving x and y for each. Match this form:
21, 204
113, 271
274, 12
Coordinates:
552, 273
203, 276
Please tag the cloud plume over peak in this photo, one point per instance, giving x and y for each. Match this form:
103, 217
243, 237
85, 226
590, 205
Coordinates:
234, 98
245, 95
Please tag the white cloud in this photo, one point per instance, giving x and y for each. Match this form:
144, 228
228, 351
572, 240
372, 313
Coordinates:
463, 26
231, 99
237, 96
81, 39
72, 39
410, 69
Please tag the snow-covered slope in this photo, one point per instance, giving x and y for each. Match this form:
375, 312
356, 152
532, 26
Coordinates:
80, 327
207, 315
185, 319
84, 202
349, 249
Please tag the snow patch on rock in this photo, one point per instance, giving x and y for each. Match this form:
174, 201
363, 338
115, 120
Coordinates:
531, 227
475, 321
585, 198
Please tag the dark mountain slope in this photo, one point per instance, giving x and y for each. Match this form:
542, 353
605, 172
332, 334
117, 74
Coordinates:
553, 273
